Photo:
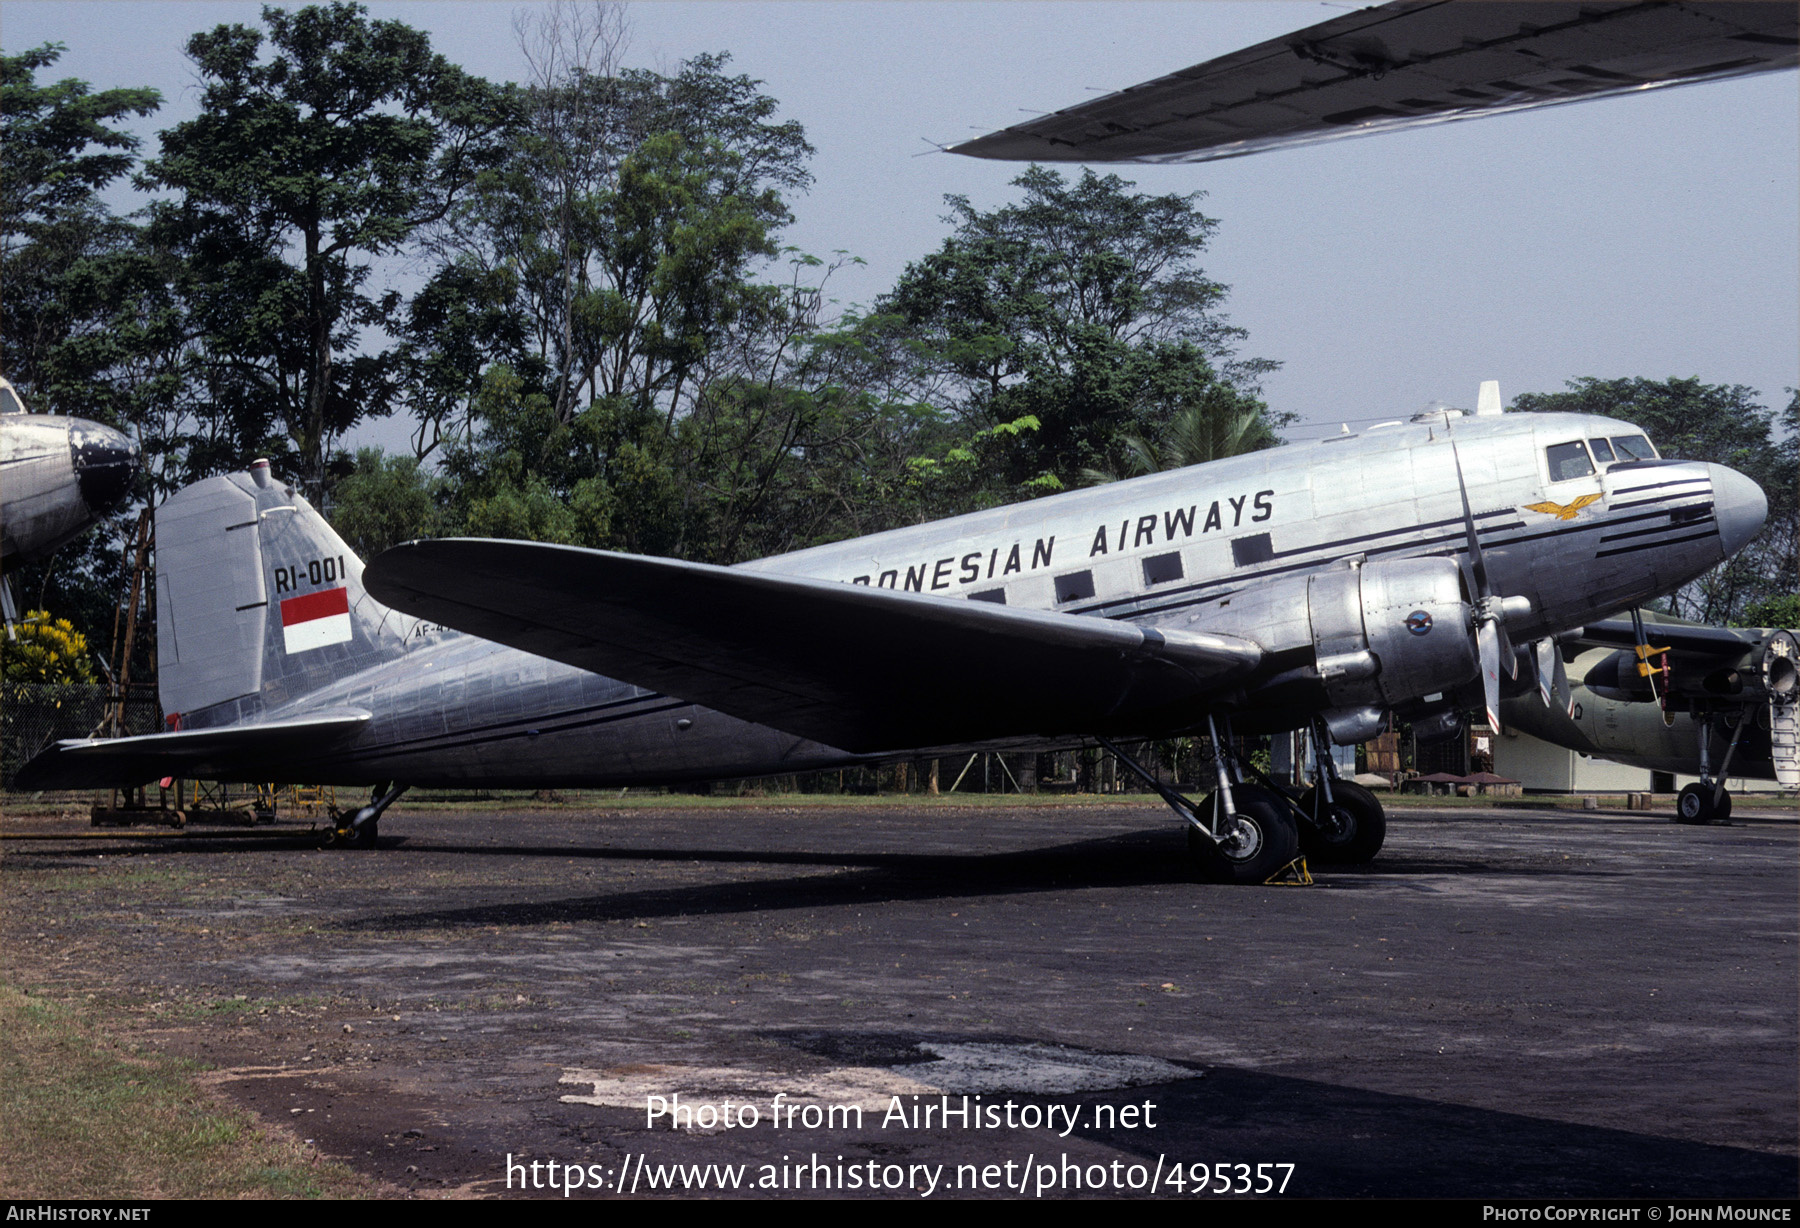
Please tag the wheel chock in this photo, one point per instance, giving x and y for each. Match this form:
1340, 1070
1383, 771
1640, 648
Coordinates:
1293, 874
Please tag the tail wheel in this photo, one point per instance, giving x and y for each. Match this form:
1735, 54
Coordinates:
1356, 826
1262, 841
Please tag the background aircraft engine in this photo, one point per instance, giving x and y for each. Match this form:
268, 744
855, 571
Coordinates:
1767, 671
1391, 631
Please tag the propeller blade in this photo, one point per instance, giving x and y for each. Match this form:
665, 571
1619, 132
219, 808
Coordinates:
1560, 688
1509, 656
1544, 655
1477, 563
1487, 638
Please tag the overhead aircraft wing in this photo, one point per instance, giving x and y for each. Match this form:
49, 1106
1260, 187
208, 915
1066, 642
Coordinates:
84, 763
1406, 64
860, 668
1685, 638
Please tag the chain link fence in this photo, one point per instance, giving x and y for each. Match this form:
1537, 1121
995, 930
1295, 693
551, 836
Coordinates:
35, 715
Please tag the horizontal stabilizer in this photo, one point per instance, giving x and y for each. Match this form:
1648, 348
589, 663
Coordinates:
860, 668
238, 752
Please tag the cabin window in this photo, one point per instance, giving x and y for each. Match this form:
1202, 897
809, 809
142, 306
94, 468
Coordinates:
1253, 549
1634, 447
1569, 460
9, 402
1074, 586
995, 595
1602, 451
1162, 568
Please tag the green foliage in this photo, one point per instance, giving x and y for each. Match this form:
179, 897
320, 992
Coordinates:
1781, 610
1726, 425
62, 252
328, 142
386, 500
1083, 307
617, 234
46, 650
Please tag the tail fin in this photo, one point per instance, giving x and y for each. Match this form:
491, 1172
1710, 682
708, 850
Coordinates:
258, 602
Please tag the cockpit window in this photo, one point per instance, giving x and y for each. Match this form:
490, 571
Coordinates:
1569, 460
9, 401
1634, 447
1602, 451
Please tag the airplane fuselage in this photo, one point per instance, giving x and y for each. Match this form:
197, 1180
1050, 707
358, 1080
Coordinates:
1259, 546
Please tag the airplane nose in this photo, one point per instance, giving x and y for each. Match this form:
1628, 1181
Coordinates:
105, 463
1739, 505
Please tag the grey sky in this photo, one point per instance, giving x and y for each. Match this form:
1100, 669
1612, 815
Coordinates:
1654, 235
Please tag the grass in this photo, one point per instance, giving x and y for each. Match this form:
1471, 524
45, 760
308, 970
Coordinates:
587, 801
83, 1116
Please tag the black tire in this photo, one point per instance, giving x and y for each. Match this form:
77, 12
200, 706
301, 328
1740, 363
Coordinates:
364, 837
1359, 830
1265, 841
1695, 806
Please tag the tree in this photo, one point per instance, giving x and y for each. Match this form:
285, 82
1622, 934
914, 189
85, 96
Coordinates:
1082, 307
624, 224
61, 249
1726, 425
384, 501
305, 165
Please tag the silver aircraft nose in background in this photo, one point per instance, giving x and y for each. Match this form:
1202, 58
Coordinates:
57, 476
1739, 505
104, 462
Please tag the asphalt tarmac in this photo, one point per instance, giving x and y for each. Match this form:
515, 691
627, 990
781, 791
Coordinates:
1508, 1003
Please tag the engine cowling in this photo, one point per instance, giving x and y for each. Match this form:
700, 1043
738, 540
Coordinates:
1391, 631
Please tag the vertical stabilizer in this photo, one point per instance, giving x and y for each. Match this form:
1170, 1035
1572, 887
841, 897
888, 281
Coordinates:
259, 602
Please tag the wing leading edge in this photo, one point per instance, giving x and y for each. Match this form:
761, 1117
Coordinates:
864, 669
1406, 64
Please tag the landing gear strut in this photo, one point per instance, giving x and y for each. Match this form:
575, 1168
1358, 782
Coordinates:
358, 828
1343, 822
1707, 801
1239, 833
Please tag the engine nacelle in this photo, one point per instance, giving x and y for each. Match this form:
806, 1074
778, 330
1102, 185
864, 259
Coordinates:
1391, 631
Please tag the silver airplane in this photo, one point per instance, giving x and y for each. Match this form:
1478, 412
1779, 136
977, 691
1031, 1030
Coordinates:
1723, 699
1316, 587
57, 476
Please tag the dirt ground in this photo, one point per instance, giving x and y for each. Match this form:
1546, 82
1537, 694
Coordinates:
1509, 1003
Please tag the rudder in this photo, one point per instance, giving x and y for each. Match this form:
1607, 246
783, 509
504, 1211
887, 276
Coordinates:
259, 602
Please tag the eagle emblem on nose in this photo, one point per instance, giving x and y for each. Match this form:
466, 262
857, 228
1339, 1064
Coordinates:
1562, 511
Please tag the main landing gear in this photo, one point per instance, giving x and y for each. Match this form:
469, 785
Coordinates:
1252, 833
1707, 801
359, 828
1342, 822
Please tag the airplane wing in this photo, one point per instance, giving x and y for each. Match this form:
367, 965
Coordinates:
87, 763
865, 669
1403, 65
1685, 638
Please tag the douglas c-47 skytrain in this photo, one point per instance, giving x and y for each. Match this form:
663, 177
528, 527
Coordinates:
1408, 569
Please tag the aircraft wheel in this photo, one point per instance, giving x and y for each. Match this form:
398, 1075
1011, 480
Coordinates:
1695, 805
1358, 826
364, 837
1263, 842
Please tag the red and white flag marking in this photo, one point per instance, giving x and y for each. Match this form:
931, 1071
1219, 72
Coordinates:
315, 620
